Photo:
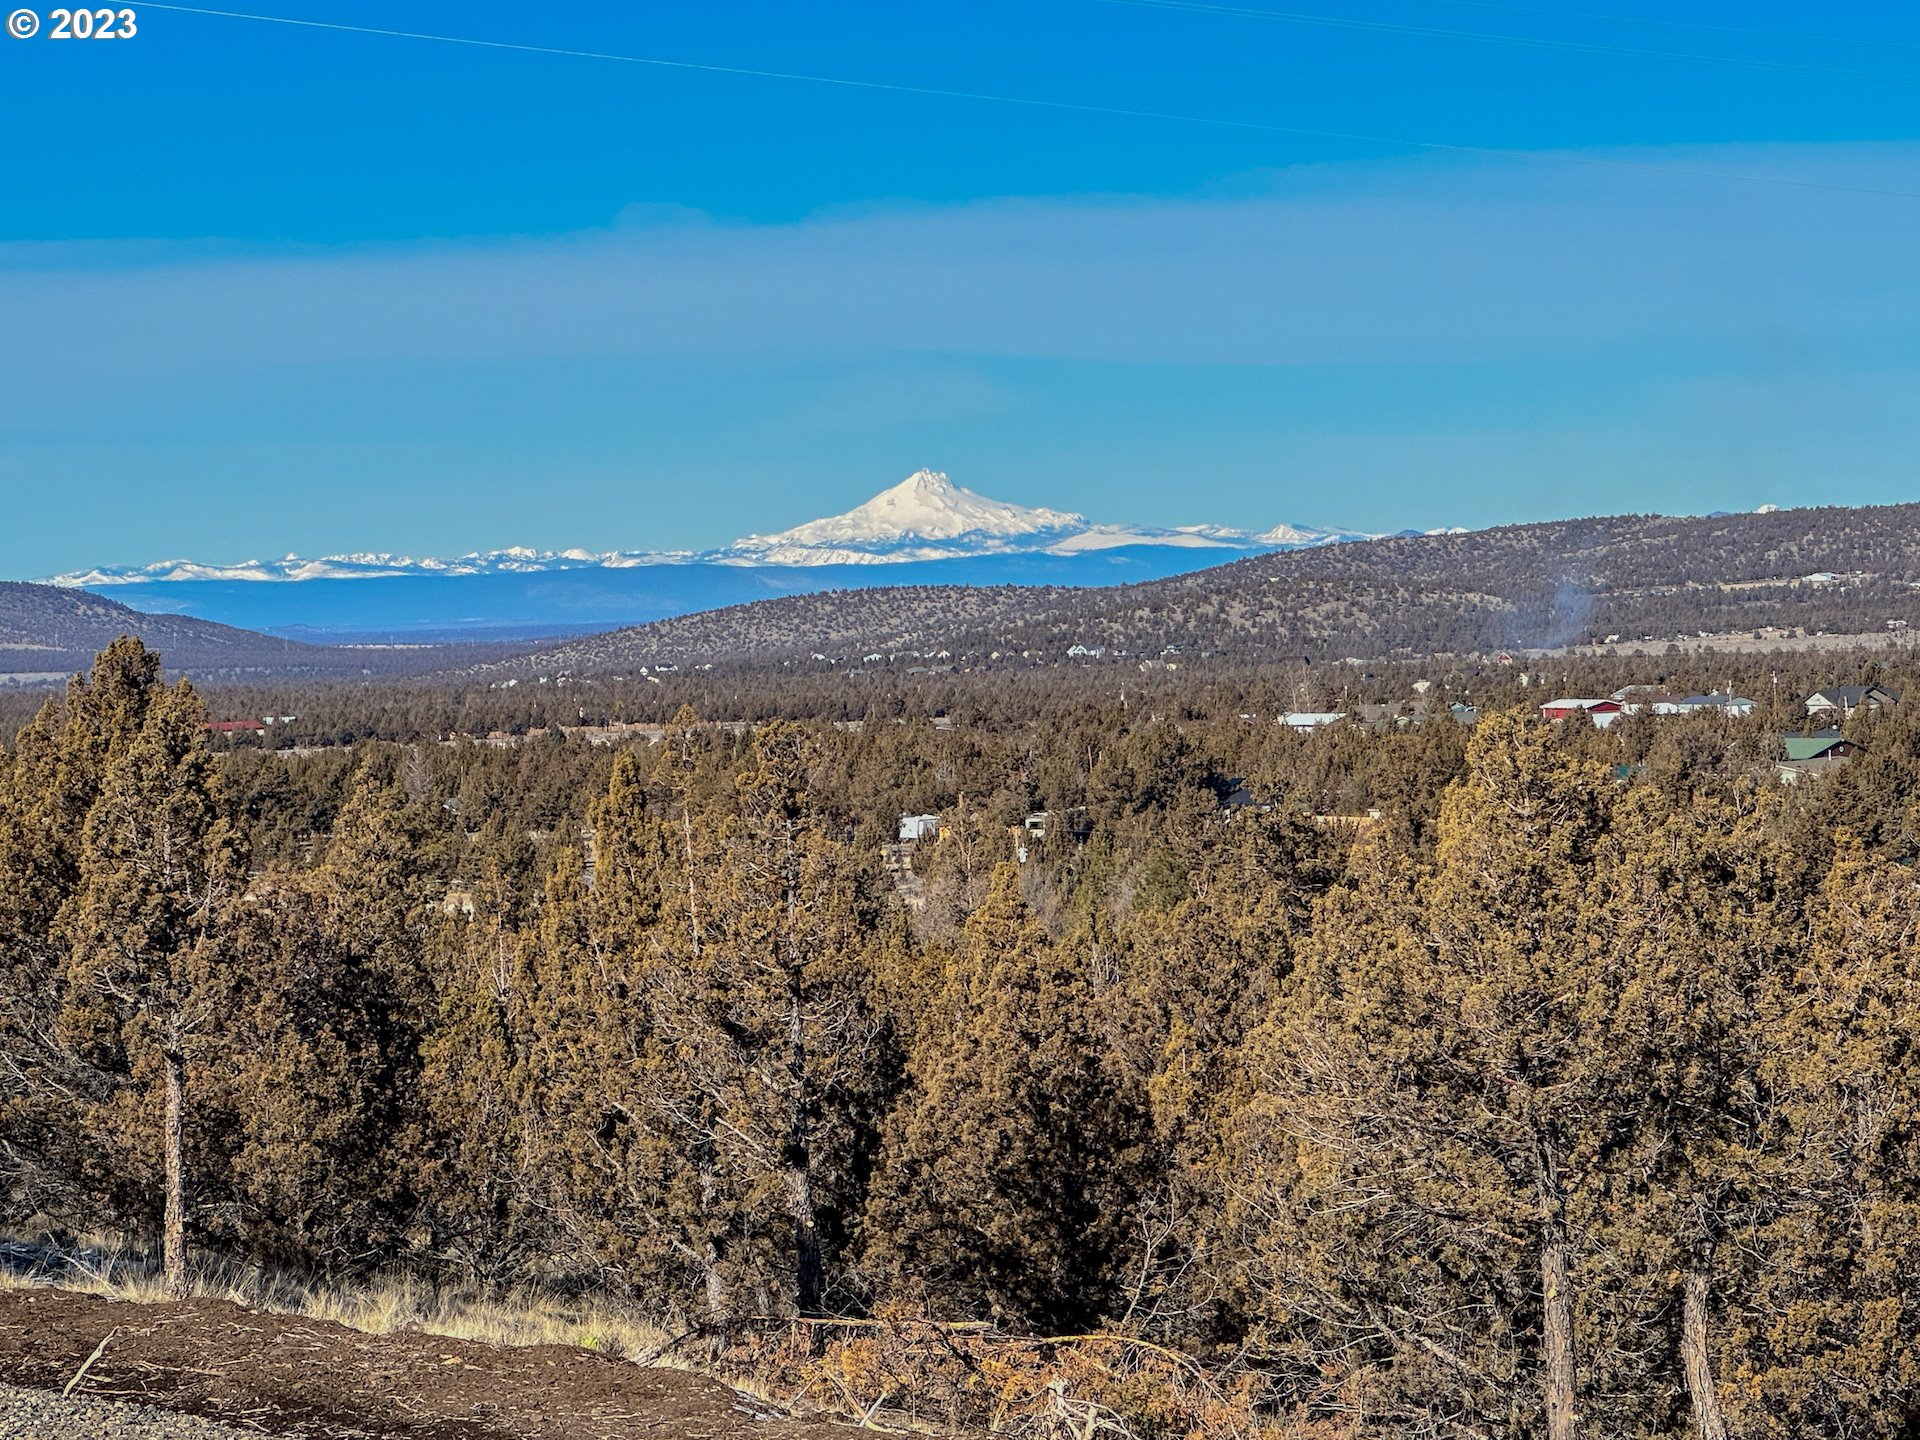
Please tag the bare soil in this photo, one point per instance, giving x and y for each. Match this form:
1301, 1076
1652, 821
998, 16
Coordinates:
283, 1375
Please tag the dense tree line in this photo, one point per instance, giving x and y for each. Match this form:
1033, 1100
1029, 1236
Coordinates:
1555, 1099
1010, 698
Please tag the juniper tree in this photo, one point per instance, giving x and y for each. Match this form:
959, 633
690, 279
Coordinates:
159, 867
772, 1017
1000, 1191
338, 977
1824, 1326
38, 841
608, 1143
1686, 905
474, 1149
724, 963
47, 788
1431, 1091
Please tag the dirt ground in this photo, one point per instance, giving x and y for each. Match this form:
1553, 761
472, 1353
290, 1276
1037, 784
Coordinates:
281, 1375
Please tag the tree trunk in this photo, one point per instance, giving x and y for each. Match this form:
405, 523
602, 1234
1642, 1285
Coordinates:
174, 1225
1556, 1299
1557, 1339
714, 1250
806, 1242
693, 875
797, 1151
1695, 1357
716, 1283
799, 1170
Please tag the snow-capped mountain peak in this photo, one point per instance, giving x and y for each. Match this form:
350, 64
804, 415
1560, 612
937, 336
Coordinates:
1301, 537
926, 506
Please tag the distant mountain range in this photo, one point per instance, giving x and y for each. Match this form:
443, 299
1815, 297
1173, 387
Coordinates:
1635, 583
924, 531
925, 517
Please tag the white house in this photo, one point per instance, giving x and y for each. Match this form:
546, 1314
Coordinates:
918, 827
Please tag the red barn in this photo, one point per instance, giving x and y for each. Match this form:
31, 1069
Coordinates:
1601, 712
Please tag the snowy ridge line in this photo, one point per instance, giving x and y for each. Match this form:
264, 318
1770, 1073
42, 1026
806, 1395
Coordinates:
924, 517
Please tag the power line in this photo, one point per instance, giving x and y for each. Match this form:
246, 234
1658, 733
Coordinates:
1041, 103
1579, 47
1797, 37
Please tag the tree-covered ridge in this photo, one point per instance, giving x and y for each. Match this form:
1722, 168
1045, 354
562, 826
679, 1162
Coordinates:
53, 630
1464, 1085
1517, 587
43, 627
1649, 580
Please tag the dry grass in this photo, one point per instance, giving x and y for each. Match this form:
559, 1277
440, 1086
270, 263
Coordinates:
900, 1374
380, 1306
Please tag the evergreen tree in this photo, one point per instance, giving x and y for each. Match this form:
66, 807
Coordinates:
479, 1143
721, 973
338, 973
999, 1192
159, 867
606, 1121
1687, 906
46, 792
769, 1013
1433, 1091
1825, 1324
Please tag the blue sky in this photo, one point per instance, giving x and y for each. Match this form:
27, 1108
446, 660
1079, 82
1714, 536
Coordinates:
267, 288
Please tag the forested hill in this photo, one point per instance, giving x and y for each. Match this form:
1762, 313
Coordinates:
1516, 587
839, 623
47, 631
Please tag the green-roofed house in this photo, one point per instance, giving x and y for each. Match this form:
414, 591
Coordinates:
1814, 755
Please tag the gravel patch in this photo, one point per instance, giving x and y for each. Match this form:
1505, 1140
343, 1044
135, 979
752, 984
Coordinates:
43, 1415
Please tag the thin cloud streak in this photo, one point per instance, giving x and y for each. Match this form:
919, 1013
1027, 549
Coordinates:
1411, 263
